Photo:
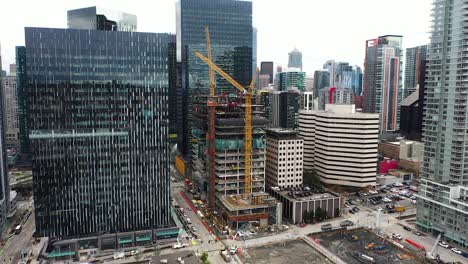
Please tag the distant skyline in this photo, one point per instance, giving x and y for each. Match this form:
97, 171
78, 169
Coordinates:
321, 30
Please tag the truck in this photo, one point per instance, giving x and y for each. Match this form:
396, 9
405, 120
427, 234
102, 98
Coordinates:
225, 255
118, 255
326, 227
400, 208
346, 223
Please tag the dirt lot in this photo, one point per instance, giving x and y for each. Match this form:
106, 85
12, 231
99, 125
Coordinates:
290, 252
381, 251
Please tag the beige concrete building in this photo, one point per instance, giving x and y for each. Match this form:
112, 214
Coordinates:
10, 108
341, 145
284, 158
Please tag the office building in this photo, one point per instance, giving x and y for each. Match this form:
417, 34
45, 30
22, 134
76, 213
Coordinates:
414, 66
298, 202
411, 117
321, 81
307, 101
341, 145
284, 107
22, 98
10, 107
335, 96
231, 43
292, 78
442, 205
263, 100
100, 144
4, 179
295, 59
283, 158
266, 68
330, 66
263, 81
97, 18
309, 84
382, 89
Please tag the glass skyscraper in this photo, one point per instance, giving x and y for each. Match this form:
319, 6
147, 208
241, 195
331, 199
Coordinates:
382, 80
98, 122
442, 206
415, 63
295, 59
230, 25
97, 18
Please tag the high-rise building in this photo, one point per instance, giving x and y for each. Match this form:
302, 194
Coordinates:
321, 81
263, 99
10, 107
231, 44
22, 97
284, 107
307, 101
309, 84
283, 158
4, 179
330, 66
414, 66
335, 96
411, 117
382, 80
99, 132
97, 18
254, 50
292, 78
341, 145
266, 67
442, 205
263, 81
295, 59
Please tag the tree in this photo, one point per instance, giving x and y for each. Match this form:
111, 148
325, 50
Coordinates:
320, 214
337, 212
204, 257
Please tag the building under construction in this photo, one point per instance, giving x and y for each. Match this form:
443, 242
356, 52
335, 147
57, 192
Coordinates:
221, 173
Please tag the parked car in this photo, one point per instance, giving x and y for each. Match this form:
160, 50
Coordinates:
406, 228
443, 244
397, 236
326, 227
352, 211
346, 223
233, 250
416, 232
456, 250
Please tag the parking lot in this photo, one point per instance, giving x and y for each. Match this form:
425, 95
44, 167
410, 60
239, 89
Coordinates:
363, 246
288, 252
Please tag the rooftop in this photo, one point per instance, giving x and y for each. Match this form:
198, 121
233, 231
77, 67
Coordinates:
244, 202
281, 132
301, 194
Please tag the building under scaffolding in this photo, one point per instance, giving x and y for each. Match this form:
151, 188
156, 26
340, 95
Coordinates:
232, 204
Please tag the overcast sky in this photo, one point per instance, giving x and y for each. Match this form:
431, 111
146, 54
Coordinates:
320, 29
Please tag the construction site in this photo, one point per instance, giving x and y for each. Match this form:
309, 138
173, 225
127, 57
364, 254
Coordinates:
232, 203
228, 152
363, 246
288, 252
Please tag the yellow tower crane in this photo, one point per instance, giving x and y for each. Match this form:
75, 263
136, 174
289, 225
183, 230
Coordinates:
248, 116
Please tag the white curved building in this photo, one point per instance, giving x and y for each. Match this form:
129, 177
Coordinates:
341, 145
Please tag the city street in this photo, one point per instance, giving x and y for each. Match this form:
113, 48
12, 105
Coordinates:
11, 252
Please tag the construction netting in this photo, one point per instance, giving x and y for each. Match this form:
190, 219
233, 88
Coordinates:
225, 144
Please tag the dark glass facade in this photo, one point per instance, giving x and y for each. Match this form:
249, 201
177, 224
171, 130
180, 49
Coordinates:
230, 25
266, 67
98, 104
321, 81
25, 144
4, 179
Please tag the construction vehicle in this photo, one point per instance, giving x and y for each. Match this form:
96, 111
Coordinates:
212, 108
430, 254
